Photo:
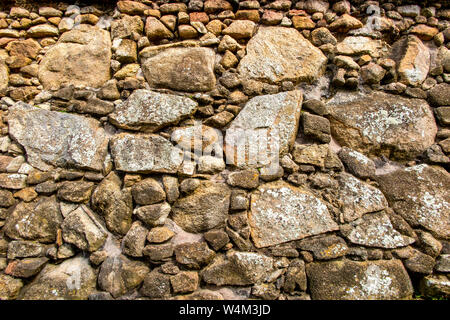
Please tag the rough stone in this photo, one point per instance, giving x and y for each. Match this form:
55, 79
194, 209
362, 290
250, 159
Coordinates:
148, 191
75, 191
134, 241
357, 163
184, 282
153, 215
194, 255
9, 287
324, 247
156, 285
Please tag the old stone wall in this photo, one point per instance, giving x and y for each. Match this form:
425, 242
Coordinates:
224, 149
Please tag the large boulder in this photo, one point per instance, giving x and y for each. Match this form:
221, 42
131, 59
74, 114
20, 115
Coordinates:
382, 124
265, 128
281, 213
182, 68
352, 280
150, 111
420, 194
52, 138
277, 54
204, 209
81, 58
145, 153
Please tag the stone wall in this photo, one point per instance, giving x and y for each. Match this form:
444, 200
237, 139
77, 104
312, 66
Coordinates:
224, 149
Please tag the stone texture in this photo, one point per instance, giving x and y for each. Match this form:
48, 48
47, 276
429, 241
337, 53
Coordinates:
148, 191
324, 247
277, 54
144, 153
134, 241
75, 191
53, 138
4, 77
357, 163
9, 287
382, 124
420, 195
204, 209
351, 280
266, 123
281, 213
81, 57
179, 68
194, 255
150, 111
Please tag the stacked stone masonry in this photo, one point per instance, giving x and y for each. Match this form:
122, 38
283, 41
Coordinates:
122, 176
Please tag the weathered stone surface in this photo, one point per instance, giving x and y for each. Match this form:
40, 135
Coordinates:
74, 279
324, 247
13, 180
358, 198
124, 27
156, 285
178, 68
359, 45
435, 285
4, 78
204, 209
81, 58
75, 191
9, 287
25, 268
381, 123
240, 29
237, 268
185, 281
281, 213
37, 220
351, 280
119, 275
194, 255
134, 241
25, 249
145, 153
83, 229
148, 191
153, 215
419, 262
375, 230
357, 163
412, 58
277, 54
420, 195
114, 203
53, 138
439, 95
150, 111
267, 126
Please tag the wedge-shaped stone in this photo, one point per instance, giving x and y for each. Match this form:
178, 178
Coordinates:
4, 78
179, 68
281, 213
277, 54
420, 194
52, 138
352, 280
145, 153
150, 111
81, 57
382, 124
264, 129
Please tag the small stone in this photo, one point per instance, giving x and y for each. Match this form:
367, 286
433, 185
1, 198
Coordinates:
357, 163
240, 29
148, 191
75, 191
247, 179
194, 255
419, 263
134, 241
159, 235
217, 239
324, 247
316, 127
156, 285
153, 215
9, 287
184, 282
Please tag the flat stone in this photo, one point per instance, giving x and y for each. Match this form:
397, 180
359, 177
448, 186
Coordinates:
382, 124
281, 213
194, 255
277, 54
4, 77
75, 191
420, 195
150, 111
25, 268
81, 58
179, 68
25, 249
240, 29
269, 120
352, 280
357, 163
52, 138
324, 247
145, 153
43, 30
153, 215
435, 285
204, 209
74, 279
359, 45
13, 180
439, 95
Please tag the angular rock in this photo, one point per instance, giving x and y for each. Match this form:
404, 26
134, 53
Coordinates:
267, 126
419, 263
81, 58
184, 282
52, 138
277, 54
124, 27
420, 195
75, 191
194, 255
13, 181
4, 78
148, 191
9, 287
247, 179
134, 241
324, 247
352, 280
25, 249
156, 285
179, 68
37, 220
153, 215
357, 163
281, 213
204, 209
74, 279
439, 95
359, 45
240, 29
145, 154
435, 285
25, 268
150, 111
382, 124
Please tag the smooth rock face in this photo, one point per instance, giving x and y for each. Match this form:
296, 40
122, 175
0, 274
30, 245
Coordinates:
420, 195
3, 77
74, 279
52, 138
277, 54
145, 153
182, 69
266, 123
281, 213
376, 230
352, 280
150, 111
382, 124
81, 58
204, 209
